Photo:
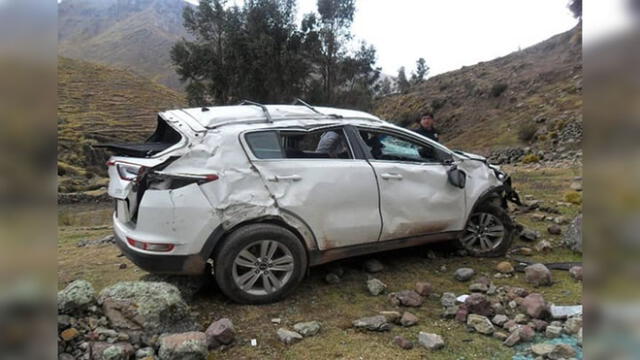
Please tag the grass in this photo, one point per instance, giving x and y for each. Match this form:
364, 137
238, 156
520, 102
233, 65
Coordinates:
336, 306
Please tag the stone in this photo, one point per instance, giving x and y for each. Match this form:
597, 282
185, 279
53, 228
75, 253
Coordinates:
188, 345
122, 266
543, 246
391, 316
373, 266
521, 319
573, 236
538, 275
403, 343
479, 304
376, 287
576, 273
554, 229
408, 319
462, 314
505, 267
450, 312
332, 278
553, 331
448, 299
514, 292
152, 307
535, 306
539, 325
562, 351
107, 351
526, 333
188, 285
76, 297
512, 339
524, 251
423, 288
65, 356
500, 335
146, 352
541, 349
576, 186
573, 325
406, 298
579, 337
309, 328
69, 334
560, 220
500, 319
480, 324
430, 341
464, 274
478, 287
220, 332
529, 235
288, 337
372, 323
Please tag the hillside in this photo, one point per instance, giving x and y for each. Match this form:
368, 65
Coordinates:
136, 35
499, 104
101, 104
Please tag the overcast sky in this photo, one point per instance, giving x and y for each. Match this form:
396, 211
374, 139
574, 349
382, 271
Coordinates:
451, 33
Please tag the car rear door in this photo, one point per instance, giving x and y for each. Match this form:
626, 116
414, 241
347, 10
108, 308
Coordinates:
415, 195
333, 192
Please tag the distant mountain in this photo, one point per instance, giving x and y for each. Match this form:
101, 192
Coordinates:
136, 35
494, 104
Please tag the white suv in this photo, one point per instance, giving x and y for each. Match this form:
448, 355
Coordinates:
261, 193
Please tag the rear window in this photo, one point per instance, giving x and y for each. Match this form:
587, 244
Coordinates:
320, 144
265, 145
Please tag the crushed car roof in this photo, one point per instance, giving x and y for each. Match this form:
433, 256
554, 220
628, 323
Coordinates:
212, 117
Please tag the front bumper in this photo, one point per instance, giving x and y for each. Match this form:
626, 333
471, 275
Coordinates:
163, 264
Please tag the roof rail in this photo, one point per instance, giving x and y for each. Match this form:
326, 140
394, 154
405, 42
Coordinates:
263, 107
335, 116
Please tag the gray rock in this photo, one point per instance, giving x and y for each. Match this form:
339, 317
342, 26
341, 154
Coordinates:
152, 307
373, 266
541, 349
189, 345
406, 298
538, 275
144, 353
65, 356
423, 288
76, 297
403, 343
376, 287
448, 299
553, 331
391, 316
576, 273
107, 351
306, 329
579, 337
543, 246
521, 319
573, 325
450, 312
500, 319
220, 332
535, 306
332, 278
408, 319
288, 337
513, 339
430, 341
372, 323
189, 286
478, 287
554, 229
109, 239
562, 351
529, 235
480, 324
464, 274
573, 236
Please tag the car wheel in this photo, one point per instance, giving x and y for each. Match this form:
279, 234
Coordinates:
260, 264
489, 231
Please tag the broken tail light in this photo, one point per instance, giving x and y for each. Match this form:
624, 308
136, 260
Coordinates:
127, 171
150, 246
160, 179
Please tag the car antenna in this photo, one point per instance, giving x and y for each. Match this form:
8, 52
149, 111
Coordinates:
263, 107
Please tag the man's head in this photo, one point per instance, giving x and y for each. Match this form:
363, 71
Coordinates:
426, 120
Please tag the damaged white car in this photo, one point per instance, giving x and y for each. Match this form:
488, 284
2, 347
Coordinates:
258, 194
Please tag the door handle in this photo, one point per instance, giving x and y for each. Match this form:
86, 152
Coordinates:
285, 178
390, 176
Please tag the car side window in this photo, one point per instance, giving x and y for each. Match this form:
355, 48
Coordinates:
321, 144
265, 144
385, 146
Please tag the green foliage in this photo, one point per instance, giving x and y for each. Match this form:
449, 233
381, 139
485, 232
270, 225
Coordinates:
530, 158
403, 83
498, 88
576, 8
527, 131
422, 69
573, 197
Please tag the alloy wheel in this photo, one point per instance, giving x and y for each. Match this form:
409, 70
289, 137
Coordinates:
263, 267
484, 233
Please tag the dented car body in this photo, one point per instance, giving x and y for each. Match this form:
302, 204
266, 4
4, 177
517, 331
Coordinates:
339, 182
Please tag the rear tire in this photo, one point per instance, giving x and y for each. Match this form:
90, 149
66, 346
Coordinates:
489, 231
260, 264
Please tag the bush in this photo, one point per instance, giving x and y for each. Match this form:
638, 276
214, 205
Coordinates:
527, 131
531, 158
437, 104
573, 197
498, 89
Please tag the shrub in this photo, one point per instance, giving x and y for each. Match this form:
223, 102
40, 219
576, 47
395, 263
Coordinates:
437, 104
498, 89
573, 197
527, 131
531, 158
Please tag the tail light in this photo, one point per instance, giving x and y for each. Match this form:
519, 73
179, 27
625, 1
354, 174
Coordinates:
175, 181
127, 171
150, 246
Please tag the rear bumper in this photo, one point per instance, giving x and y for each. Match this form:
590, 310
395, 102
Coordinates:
162, 264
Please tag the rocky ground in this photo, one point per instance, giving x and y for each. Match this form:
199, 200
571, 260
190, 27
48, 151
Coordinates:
434, 303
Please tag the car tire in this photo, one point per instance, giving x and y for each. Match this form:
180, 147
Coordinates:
232, 268
495, 215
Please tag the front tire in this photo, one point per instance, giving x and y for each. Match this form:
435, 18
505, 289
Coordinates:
489, 231
260, 264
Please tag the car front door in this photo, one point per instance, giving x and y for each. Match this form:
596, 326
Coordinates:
313, 174
415, 195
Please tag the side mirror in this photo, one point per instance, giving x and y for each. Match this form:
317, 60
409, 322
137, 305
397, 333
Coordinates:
457, 177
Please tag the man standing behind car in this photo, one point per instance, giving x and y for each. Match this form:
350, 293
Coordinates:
426, 127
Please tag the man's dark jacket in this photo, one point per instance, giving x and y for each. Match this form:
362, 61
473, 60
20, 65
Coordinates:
430, 133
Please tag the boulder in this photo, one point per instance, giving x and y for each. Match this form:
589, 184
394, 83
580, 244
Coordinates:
538, 275
403, 343
309, 328
535, 306
76, 297
376, 287
479, 304
576, 273
188, 285
220, 332
423, 288
464, 274
372, 323
373, 266
406, 298
480, 324
562, 351
189, 345
109, 351
288, 337
408, 319
430, 341
573, 236
152, 307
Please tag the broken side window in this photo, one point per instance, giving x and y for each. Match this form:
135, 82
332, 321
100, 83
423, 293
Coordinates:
265, 144
384, 146
321, 144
